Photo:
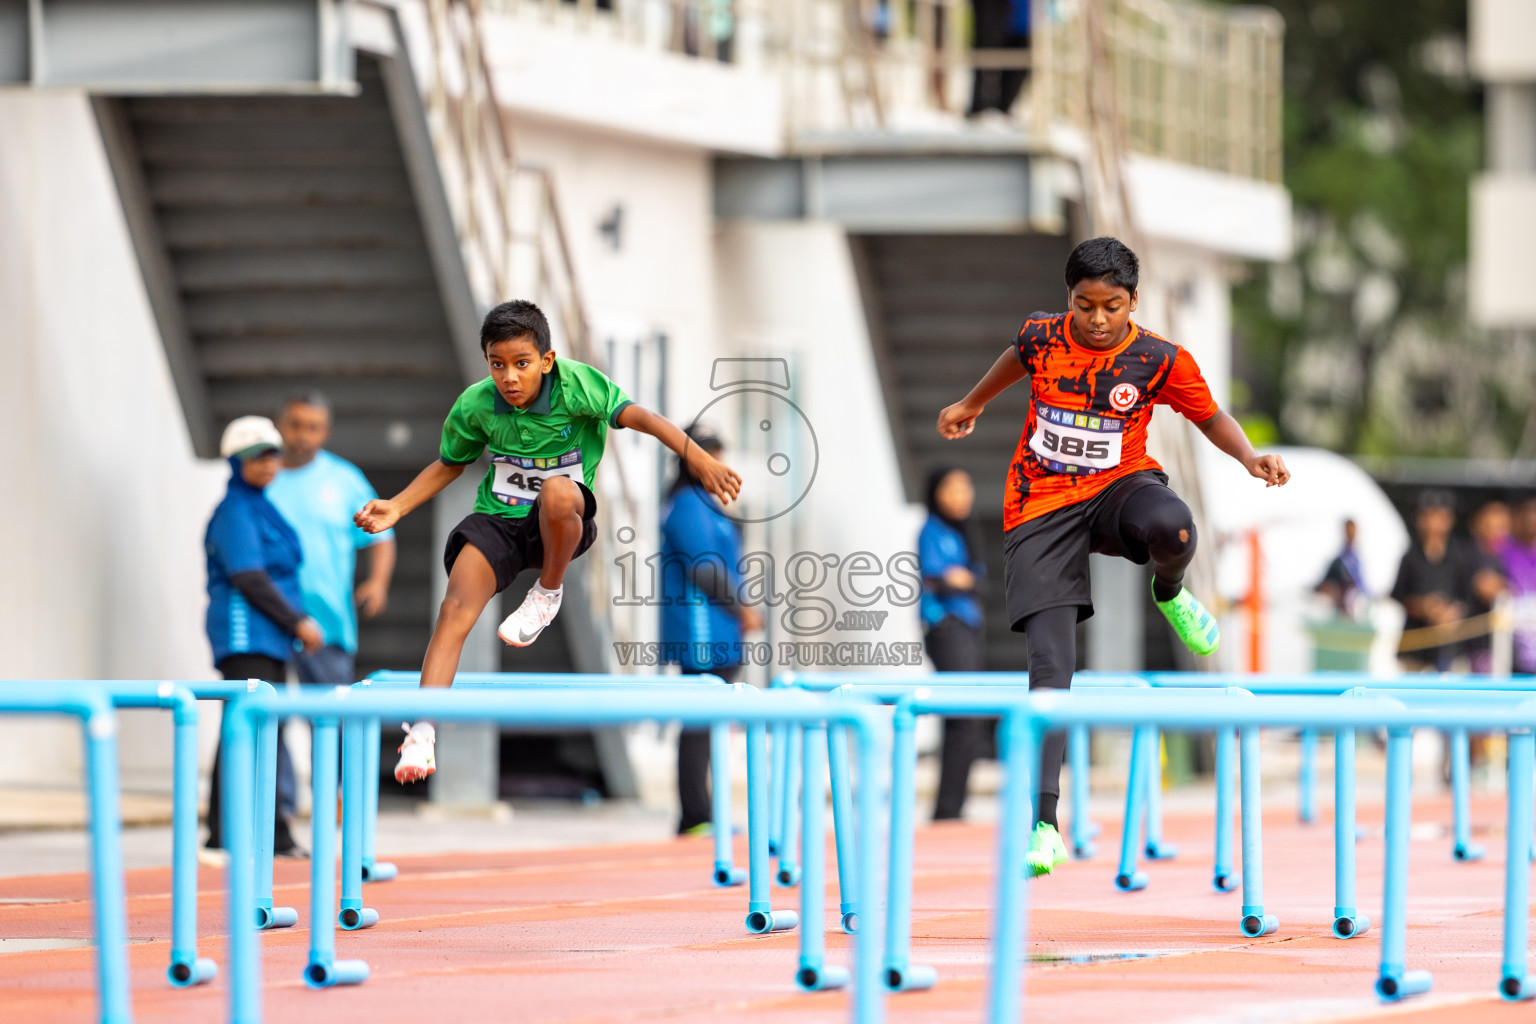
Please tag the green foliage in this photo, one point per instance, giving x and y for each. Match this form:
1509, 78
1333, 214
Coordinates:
1361, 342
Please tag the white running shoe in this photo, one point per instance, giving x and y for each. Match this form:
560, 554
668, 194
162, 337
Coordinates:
523, 626
416, 757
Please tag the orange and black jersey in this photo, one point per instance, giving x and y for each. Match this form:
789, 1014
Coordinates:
1089, 411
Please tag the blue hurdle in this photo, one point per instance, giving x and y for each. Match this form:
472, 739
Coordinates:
186, 967
725, 871
357, 783
549, 706
1032, 716
98, 721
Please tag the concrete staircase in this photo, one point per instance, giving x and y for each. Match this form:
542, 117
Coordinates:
941, 308
289, 242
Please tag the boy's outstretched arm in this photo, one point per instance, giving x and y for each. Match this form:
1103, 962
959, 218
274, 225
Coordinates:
718, 479
958, 420
1227, 434
380, 513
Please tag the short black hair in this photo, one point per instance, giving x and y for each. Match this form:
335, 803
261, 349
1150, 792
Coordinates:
516, 319
304, 396
1104, 259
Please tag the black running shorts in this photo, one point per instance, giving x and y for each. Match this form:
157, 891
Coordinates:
1045, 560
512, 545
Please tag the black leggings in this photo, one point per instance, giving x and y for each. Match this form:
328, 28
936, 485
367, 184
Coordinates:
1157, 520
243, 666
693, 750
1153, 519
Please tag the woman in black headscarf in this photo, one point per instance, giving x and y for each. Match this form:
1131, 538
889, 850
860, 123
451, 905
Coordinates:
952, 621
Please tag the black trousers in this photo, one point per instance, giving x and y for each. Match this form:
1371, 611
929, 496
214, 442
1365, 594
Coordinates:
1151, 519
693, 749
244, 666
996, 89
956, 646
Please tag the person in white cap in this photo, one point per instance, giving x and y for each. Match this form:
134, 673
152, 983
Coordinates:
254, 618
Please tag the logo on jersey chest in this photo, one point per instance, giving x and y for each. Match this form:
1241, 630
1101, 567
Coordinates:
1123, 396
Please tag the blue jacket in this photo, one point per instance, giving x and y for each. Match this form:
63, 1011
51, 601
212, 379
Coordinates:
247, 533
940, 547
693, 530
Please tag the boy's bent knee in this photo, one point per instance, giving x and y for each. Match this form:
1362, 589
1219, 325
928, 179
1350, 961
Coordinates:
561, 496
1172, 528
457, 613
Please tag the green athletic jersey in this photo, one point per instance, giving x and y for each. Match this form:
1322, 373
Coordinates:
565, 427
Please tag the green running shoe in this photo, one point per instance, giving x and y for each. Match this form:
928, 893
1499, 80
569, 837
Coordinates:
1189, 618
1046, 850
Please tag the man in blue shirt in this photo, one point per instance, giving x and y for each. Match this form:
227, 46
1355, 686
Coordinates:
702, 618
317, 492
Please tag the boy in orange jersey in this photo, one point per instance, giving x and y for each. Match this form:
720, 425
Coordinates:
1081, 479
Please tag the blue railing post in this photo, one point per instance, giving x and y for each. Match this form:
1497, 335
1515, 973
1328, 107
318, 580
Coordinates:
267, 915
788, 874
1010, 919
353, 914
374, 870
1517, 873
1461, 801
874, 762
187, 968
1306, 778
761, 917
814, 974
239, 810
1156, 848
323, 969
1226, 784
843, 826
779, 741
108, 895
1348, 922
900, 974
1395, 981
1083, 828
726, 872
1254, 922
1128, 878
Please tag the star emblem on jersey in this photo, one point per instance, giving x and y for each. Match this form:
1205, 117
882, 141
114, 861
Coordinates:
1123, 396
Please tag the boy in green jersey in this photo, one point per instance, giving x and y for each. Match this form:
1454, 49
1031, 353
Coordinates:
545, 421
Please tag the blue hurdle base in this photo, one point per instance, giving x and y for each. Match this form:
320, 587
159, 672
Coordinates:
821, 977
910, 978
197, 971
1515, 989
357, 918
1392, 987
1349, 925
324, 974
269, 917
1256, 923
761, 922
382, 871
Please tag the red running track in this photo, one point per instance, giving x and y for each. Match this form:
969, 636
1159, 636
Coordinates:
630, 933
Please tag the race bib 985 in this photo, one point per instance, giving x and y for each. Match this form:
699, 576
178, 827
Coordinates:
1076, 442
518, 481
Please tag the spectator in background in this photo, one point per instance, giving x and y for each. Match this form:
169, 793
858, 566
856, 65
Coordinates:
702, 621
999, 25
1519, 554
1489, 527
317, 492
1434, 581
952, 622
254, 604
1344, 582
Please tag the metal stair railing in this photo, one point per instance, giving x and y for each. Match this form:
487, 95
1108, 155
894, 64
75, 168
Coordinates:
514, 243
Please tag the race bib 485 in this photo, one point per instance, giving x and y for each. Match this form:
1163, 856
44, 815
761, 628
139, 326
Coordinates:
1076, 442
518, 481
